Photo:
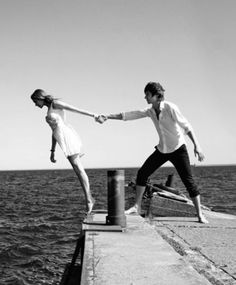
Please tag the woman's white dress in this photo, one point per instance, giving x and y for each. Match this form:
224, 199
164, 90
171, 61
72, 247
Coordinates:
64, 134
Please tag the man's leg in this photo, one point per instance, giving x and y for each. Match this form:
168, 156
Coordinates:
180, 160
197, 204
154, 161
138, 201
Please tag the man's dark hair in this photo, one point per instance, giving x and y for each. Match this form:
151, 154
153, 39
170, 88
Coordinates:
154, 88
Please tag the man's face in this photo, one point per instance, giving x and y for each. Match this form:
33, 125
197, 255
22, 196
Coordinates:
148, 97
152, 99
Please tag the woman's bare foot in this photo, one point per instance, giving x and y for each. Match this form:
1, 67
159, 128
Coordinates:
90, 205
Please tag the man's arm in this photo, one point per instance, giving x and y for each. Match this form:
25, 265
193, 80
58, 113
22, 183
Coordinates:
184, 124
197, 148
180, 119
126, 116
115, 116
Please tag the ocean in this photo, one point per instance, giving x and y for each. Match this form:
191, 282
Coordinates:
41, 213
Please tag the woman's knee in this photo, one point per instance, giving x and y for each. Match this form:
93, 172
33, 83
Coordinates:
77, 166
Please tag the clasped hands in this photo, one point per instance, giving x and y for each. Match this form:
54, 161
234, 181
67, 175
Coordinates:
100, 118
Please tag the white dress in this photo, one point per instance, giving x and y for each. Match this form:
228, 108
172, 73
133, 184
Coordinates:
64, 134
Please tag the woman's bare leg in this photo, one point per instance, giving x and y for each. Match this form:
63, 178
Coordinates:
83, 178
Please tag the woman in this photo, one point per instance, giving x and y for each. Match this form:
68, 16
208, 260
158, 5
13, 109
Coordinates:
65, 136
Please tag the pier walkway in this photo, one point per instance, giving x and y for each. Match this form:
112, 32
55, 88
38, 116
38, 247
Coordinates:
170, 250
209, 248
138, 255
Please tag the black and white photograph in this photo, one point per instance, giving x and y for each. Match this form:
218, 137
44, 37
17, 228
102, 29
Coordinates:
117, 144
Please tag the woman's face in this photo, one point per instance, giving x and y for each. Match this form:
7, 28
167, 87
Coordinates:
39, 103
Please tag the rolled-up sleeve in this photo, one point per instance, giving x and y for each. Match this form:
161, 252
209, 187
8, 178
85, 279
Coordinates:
180, 119
134, 115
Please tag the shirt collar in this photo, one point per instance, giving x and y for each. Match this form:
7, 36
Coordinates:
161, 106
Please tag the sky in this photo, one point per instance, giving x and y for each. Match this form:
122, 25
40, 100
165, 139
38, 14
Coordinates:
98, 56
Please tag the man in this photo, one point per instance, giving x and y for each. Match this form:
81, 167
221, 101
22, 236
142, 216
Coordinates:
170, 124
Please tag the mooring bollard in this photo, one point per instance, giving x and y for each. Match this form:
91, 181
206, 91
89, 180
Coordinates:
170, 180
115, 198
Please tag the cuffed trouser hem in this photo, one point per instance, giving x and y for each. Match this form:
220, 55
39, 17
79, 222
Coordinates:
193, 194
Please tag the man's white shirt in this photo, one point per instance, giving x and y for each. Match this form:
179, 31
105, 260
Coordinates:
171, 125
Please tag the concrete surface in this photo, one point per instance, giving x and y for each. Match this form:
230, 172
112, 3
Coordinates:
168, 205
161, 206
209, 248
138, 256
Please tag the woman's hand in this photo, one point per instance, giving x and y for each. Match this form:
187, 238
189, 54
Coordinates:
52, 157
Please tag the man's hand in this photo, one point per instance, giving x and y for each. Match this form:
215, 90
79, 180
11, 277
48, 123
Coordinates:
52, 157
199, 154
100, 119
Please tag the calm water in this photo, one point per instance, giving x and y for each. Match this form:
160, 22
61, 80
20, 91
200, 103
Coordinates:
41, 214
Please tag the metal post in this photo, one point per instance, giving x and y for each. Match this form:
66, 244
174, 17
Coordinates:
115, 199
170, 180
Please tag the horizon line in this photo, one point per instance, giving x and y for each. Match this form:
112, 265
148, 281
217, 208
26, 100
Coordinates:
114, 167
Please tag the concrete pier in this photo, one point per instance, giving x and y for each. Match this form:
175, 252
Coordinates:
209, 248
137, 255
164, 248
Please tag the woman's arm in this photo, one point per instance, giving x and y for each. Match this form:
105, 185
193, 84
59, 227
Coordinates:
53, 148
62, 105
